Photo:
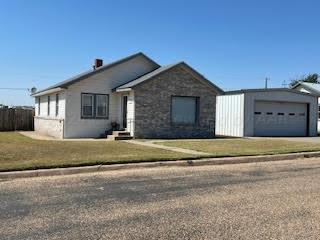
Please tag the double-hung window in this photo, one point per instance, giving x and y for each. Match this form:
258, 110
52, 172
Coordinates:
87, 105
94, 105
101, 105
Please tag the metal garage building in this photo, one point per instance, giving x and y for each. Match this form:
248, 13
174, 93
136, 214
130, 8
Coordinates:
266, 112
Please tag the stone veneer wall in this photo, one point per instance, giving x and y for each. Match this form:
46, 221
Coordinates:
153, 106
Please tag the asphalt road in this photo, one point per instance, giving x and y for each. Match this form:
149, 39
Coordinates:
277, 200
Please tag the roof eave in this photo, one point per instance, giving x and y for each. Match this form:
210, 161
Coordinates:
122, 89
49, 91
244, 91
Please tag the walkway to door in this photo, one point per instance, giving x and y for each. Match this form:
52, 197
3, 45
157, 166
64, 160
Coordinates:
175, 149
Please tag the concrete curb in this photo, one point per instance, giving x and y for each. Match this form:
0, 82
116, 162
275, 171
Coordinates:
197, 162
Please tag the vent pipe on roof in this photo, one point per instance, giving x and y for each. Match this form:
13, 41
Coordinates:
97, 63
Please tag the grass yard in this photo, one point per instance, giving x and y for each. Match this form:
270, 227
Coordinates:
244, 147
18, 152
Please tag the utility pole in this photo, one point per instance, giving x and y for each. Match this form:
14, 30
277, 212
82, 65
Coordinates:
284, 84
266, 83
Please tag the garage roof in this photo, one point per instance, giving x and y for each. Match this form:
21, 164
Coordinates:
268, 90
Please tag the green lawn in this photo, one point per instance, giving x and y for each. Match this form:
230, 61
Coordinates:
18, 152
244, 147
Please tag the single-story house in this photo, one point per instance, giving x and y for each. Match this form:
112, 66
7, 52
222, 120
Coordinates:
266, 112
134, 93
313, 88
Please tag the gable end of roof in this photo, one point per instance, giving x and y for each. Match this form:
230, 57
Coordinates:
149, 76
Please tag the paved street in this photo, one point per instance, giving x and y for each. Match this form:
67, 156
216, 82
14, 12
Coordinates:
277, 200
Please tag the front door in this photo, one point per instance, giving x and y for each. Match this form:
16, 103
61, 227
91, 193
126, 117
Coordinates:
124, 111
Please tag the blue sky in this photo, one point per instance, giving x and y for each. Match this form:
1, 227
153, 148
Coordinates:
235, 44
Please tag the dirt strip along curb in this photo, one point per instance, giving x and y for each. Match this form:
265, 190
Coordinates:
198, 162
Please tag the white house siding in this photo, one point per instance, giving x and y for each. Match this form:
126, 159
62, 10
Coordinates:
100, 83
44, 106
301, 89
230, 115
50, 125
278, 96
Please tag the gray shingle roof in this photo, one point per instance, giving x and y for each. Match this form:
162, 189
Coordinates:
87, 74
146, 77
163, 69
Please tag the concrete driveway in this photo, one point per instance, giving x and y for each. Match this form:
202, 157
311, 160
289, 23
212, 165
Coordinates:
278, 200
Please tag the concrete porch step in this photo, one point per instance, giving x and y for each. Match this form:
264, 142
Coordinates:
121, 133
117, 138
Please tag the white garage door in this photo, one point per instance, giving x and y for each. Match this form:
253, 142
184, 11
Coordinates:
280, 119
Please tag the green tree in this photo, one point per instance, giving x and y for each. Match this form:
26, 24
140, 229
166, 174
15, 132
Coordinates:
310, 78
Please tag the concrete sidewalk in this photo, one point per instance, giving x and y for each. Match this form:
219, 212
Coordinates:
179, 163
174, 149
37, 136
292, 139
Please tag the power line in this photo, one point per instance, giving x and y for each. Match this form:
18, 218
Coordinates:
16, 89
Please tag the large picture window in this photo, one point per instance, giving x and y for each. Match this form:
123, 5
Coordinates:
94, 105
184, 110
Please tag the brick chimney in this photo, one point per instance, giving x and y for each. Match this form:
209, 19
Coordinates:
97, 63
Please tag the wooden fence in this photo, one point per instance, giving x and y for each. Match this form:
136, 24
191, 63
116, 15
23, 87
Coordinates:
16, 119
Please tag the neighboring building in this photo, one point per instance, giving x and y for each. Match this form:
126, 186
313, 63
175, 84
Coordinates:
266, 112
144, 98
313, 88
23, 107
